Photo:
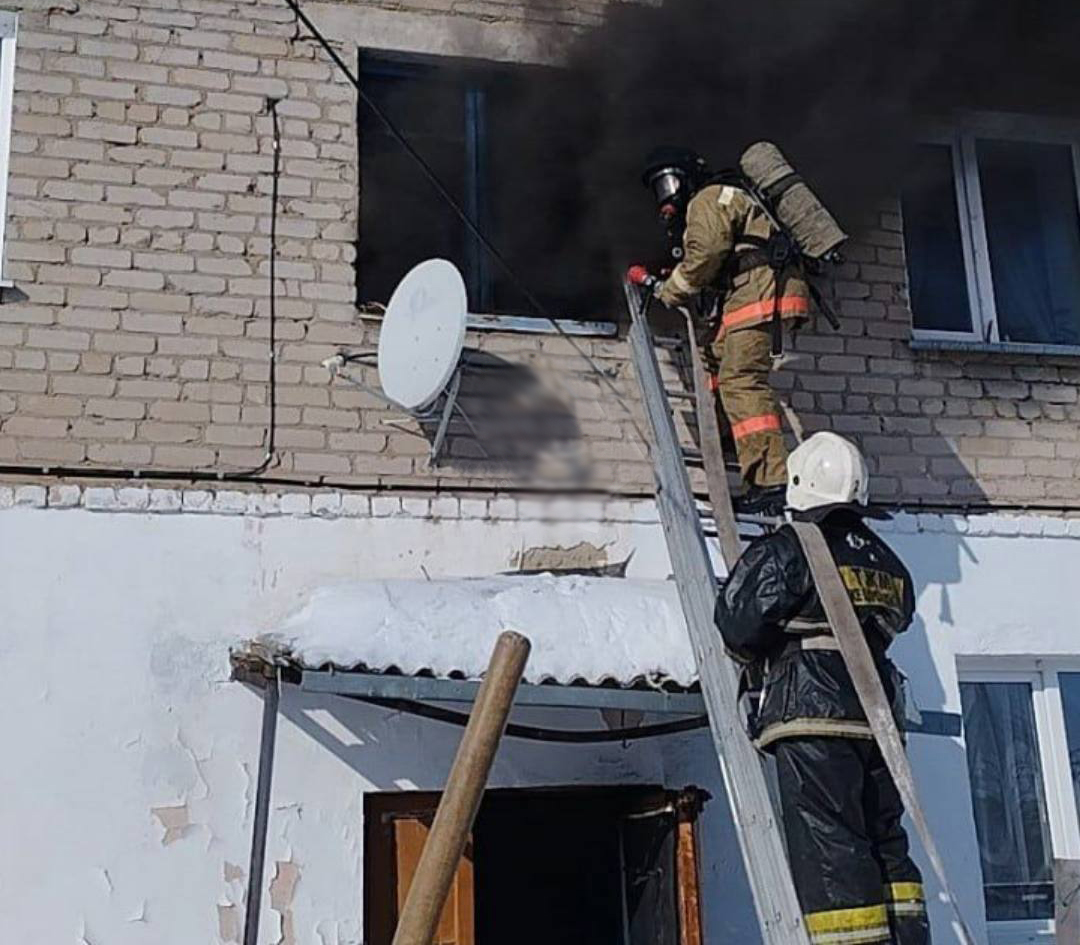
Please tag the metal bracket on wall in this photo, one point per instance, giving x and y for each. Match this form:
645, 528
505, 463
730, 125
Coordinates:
439, 413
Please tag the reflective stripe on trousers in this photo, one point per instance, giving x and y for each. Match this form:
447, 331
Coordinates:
750, 404
759, 424
846, 843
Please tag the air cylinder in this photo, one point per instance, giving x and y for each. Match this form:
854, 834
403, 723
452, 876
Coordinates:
793, 202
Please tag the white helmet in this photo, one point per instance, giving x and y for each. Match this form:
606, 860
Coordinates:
826, 470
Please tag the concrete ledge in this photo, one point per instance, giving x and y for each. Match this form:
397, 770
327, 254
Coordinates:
330, 504
439, 34
333, 504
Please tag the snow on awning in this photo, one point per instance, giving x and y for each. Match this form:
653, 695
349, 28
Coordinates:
583, 629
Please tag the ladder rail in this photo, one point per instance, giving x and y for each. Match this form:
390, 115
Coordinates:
712, 456
755, 822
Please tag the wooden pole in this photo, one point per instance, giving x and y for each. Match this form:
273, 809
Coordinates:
457, 809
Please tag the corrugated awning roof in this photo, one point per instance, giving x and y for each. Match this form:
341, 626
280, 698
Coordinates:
584, 630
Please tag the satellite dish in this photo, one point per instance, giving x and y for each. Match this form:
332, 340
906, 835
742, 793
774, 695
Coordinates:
420, 345
423, 332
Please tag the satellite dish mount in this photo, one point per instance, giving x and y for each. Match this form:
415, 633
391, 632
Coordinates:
420, 344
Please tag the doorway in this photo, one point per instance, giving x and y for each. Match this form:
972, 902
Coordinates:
612, 866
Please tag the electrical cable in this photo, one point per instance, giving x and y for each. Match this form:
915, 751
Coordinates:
322, 482
433, 178
196, 475
271, 394
540, 734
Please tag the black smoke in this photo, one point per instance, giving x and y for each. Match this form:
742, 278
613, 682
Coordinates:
845, 87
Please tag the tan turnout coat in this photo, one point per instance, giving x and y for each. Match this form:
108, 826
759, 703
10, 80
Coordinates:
716, 218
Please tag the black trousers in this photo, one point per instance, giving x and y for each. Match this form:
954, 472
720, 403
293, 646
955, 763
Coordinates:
849, 853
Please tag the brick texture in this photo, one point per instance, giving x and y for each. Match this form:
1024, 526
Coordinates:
139, 220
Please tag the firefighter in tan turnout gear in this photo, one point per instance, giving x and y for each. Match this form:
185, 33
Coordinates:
729, 245
841, 810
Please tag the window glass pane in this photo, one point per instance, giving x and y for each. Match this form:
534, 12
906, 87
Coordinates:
402, 218
1033, 227
935, 253
1070, 701
1009, 804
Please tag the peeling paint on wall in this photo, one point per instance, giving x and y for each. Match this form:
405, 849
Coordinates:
175, 820
282, 890
557, 558
228, 907
228, 922
175, 760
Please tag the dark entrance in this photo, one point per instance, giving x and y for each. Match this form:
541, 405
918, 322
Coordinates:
605, 866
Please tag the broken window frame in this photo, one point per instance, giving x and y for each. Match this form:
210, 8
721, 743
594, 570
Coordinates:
9, 25
961, 138
1064, 823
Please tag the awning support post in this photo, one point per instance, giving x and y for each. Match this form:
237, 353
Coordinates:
271, 693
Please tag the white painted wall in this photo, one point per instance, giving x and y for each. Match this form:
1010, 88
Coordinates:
120, 717
115, 644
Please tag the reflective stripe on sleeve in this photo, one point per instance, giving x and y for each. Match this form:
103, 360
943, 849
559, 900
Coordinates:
764, 423
907, 909
904, 892
905, 899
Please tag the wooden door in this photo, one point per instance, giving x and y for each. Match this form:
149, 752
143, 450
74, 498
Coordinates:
658, 844
397, 827
456, 922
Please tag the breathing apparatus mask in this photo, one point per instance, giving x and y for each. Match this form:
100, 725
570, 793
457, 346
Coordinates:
673, 175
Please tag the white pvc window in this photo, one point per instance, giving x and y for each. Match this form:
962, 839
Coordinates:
992, 233
1022, 736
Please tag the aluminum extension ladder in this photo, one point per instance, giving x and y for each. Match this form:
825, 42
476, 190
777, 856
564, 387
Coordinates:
760, 839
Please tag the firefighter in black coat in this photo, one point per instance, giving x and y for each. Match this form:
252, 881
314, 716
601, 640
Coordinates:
842, 814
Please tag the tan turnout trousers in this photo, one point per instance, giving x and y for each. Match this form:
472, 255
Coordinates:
744, 391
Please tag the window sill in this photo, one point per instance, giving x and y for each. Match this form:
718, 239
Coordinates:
540, 326
1020, 932
993, 347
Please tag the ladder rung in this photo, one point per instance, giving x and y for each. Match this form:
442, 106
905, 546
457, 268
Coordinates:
668, 341
679, 395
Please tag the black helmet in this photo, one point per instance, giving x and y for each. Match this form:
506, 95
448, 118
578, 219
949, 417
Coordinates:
674, 174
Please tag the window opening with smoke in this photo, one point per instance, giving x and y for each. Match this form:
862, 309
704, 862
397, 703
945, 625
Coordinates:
463, 118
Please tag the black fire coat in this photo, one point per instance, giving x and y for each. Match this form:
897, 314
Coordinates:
769, 614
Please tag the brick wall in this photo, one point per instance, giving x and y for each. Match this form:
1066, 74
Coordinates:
139, 221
